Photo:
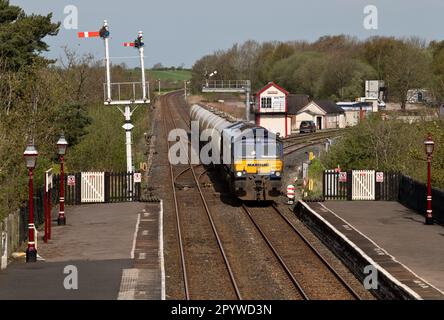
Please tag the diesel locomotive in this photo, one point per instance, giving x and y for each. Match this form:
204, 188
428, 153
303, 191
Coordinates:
249, 157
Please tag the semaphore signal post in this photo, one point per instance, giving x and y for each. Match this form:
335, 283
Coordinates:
128, 94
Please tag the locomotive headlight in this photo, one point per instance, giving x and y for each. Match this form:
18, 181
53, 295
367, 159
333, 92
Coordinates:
239, 173
277, 173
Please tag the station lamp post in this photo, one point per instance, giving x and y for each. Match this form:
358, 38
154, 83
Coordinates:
30, 156
429, 146
62, 145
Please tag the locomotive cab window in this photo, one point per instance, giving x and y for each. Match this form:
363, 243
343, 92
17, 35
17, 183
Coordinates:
244, 150
270, 150
250, 150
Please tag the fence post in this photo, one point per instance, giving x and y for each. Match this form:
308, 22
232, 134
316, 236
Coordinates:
138, 191
78, 188
349, 185
323, 184
45, 210
378, 188
49, 212
107, 187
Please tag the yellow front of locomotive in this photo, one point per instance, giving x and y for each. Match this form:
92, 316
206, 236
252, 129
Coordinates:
257, 169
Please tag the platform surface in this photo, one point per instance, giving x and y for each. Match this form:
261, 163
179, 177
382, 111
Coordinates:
114, 248
396, 229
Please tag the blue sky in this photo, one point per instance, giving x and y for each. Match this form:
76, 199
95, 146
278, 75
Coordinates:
178, 31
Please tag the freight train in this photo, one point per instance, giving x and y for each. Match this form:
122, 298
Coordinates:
250, 158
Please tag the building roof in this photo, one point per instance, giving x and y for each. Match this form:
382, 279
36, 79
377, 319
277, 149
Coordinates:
329, 106
272, 84
354, 105
295, 102
308, 112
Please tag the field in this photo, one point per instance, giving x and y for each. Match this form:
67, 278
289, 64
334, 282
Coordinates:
170, 75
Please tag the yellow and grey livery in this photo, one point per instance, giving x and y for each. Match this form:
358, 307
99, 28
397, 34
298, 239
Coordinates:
250, 157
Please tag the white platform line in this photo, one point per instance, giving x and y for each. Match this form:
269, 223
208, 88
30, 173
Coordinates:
161, 257
135, 236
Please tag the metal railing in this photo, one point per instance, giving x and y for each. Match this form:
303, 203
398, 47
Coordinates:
127, 91
227, 84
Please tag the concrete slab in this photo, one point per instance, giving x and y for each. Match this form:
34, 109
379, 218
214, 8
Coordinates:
93, 232
362, 254
97, 280
102, 242
401, 232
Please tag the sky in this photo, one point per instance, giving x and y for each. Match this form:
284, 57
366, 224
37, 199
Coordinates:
181, 31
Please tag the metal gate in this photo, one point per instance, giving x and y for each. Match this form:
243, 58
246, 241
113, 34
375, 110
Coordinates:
92, 187
363, 185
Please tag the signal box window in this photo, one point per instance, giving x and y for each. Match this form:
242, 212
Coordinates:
266, 102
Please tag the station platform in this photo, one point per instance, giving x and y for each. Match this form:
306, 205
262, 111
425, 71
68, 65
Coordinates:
408, 255
114, 249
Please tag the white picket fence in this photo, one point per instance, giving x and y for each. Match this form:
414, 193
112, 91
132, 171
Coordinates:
363, 185
92, 187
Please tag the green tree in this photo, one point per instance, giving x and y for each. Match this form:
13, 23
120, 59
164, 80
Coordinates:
21, 35
437, 50
390, 145
376, 48
407, 67
300, 73
343, 78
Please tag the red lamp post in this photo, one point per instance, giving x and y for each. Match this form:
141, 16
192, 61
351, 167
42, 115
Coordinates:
62, 145
30, 156
429, 146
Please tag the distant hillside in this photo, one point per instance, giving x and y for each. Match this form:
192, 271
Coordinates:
170, 75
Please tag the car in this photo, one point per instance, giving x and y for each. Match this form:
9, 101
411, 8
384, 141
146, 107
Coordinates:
307, 127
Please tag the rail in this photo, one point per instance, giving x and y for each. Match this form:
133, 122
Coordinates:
318, 254
208, 212
280, 259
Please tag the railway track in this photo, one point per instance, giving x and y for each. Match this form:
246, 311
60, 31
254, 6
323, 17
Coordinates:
169, 122
290, 248
324, 134
299, 143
